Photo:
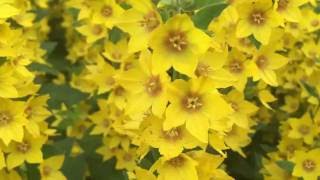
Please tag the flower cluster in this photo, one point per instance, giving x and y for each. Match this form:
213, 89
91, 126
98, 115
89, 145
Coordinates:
191, 92
23, 111
160, 89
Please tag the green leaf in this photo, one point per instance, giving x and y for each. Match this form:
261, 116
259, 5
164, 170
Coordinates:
311, 89
43, 68
62, 94
205, 15
49, 46
115, 34
74, 168
198, 4
58, 147
105, 170
286, 165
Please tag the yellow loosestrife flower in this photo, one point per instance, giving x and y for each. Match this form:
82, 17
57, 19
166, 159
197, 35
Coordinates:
178, 43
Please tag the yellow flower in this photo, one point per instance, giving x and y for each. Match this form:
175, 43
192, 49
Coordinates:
7, 9
238, 66
195, 103
310, 20
170, 143
288, 146
307, 164
7, 82
106, 12
12, 120
292, 104
181, 167
142, 174
36, 111
272, 171
103, 74
264, 64
28, 150
211, 66
289, 9
10, 175
208, 166
116, 52
139, 21
178, 43
49, 168
303, 128
257, 18
126, 159
92, 32
242, 109
102, 121
237, 138
147, 87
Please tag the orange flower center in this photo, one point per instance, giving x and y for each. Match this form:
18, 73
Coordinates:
203, 70
282, 5
173, 134
106, 123
304, 129
153, 86
236, 66
176, 161
150, 21
106, 11
97, 29
46, 170
262, 62
308, 165
127, 157
234, 106
23, 147
119, 91
176, 41
192, 102
257, 18
5, 118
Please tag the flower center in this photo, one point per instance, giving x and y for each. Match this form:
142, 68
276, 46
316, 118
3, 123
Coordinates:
176, 41
116, 55
235, 66
23, 147
28, 112
282, 5
257, 18
106, 123
262, 62
192, 102
110, 81
303, 129
127, 157
234, 106
150, 21
176, 161
315, 23
291, 148
173, 134
119, 91
153, 86
5, 118
203, 70
106, 11
46, 170
97, 29
245, 42
308, 165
